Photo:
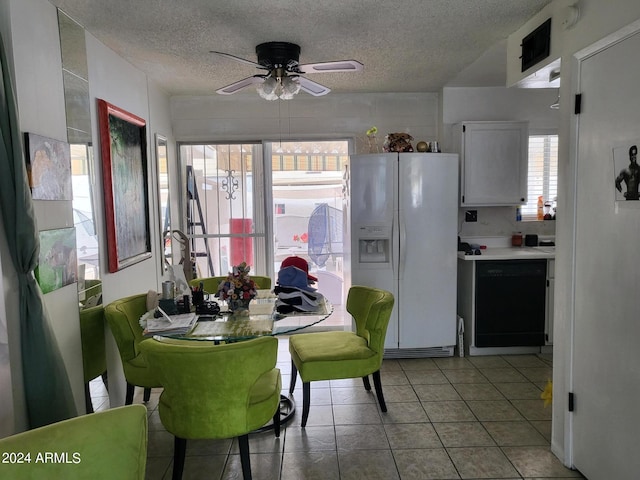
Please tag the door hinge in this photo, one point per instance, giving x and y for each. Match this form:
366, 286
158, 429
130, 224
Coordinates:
572, 402
464, 128
578, 104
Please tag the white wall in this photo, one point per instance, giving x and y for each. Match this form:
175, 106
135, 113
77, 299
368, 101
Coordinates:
597, 20
33, 41
245, 116
121, 84
498, 104
38, 85
160, 123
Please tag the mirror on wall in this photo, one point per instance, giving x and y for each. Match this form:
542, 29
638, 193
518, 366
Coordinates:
162, 159
75, 75
83, 219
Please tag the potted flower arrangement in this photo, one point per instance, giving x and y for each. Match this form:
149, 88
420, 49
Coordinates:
238, 289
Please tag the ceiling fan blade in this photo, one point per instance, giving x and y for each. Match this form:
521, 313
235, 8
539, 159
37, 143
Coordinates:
313, 88
239, 85
331, 67
239, 59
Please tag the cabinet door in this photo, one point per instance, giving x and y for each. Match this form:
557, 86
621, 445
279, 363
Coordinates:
494, 163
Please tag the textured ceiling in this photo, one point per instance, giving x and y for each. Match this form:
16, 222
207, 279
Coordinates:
405, 45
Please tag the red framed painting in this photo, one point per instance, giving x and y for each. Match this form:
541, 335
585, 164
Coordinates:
123, 148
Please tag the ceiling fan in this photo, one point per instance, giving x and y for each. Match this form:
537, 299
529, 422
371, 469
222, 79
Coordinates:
283, 78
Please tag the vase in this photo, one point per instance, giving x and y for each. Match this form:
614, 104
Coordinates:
238, 305
373, 144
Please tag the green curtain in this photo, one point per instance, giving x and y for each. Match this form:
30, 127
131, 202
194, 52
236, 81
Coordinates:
46, 384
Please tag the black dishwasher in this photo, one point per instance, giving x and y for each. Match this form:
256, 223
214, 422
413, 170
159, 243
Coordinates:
510, 303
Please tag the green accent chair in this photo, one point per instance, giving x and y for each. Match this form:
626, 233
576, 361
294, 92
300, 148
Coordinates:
340, 354
123, 317
105, 445
216, 391
211, 284
94, 355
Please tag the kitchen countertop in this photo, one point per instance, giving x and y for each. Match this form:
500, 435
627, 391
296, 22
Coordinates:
511, 253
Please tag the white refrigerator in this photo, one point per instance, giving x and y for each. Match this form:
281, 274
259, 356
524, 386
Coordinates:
403, 216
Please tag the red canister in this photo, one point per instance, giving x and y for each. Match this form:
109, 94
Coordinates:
516, 239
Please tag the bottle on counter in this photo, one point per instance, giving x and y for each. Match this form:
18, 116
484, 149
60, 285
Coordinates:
547, 211
540, 208
518, 214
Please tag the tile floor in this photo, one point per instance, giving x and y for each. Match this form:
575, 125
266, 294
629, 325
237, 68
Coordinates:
448, 418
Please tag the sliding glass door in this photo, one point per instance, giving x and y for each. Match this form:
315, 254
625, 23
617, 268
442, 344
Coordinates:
239, 205
223, 206
308, 217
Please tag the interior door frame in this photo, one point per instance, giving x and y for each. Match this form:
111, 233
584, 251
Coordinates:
571, 217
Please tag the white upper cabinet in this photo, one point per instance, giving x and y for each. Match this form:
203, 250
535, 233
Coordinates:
493, 162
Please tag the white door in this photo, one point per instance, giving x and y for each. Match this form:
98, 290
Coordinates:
428, 207
606, 355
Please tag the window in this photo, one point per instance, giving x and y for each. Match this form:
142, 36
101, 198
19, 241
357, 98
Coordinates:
542, 175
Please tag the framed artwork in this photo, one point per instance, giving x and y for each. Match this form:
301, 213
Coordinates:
162, 159
627, 172
57, 261
123, 148
48, 167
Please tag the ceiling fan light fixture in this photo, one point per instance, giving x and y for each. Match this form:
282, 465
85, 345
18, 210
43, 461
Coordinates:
290, 87
285, 87
268, 89
284, 80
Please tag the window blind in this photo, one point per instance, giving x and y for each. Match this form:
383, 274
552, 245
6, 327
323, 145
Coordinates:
542, 174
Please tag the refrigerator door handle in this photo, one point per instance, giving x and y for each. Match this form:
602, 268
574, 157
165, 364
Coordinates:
403, 246
394, 227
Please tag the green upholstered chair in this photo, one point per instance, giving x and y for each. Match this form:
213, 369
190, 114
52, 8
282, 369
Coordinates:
216, 391
105, 445
262, 282
340, 354
210, 284
94, 356
123, 317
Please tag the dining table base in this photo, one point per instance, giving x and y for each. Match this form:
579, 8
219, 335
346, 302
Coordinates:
287, 409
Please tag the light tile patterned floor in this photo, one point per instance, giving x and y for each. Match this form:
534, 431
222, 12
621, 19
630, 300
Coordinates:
448, 418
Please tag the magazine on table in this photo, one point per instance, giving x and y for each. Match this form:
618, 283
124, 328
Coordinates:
180, 324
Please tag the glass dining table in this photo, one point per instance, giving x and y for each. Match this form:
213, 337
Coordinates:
261, 319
